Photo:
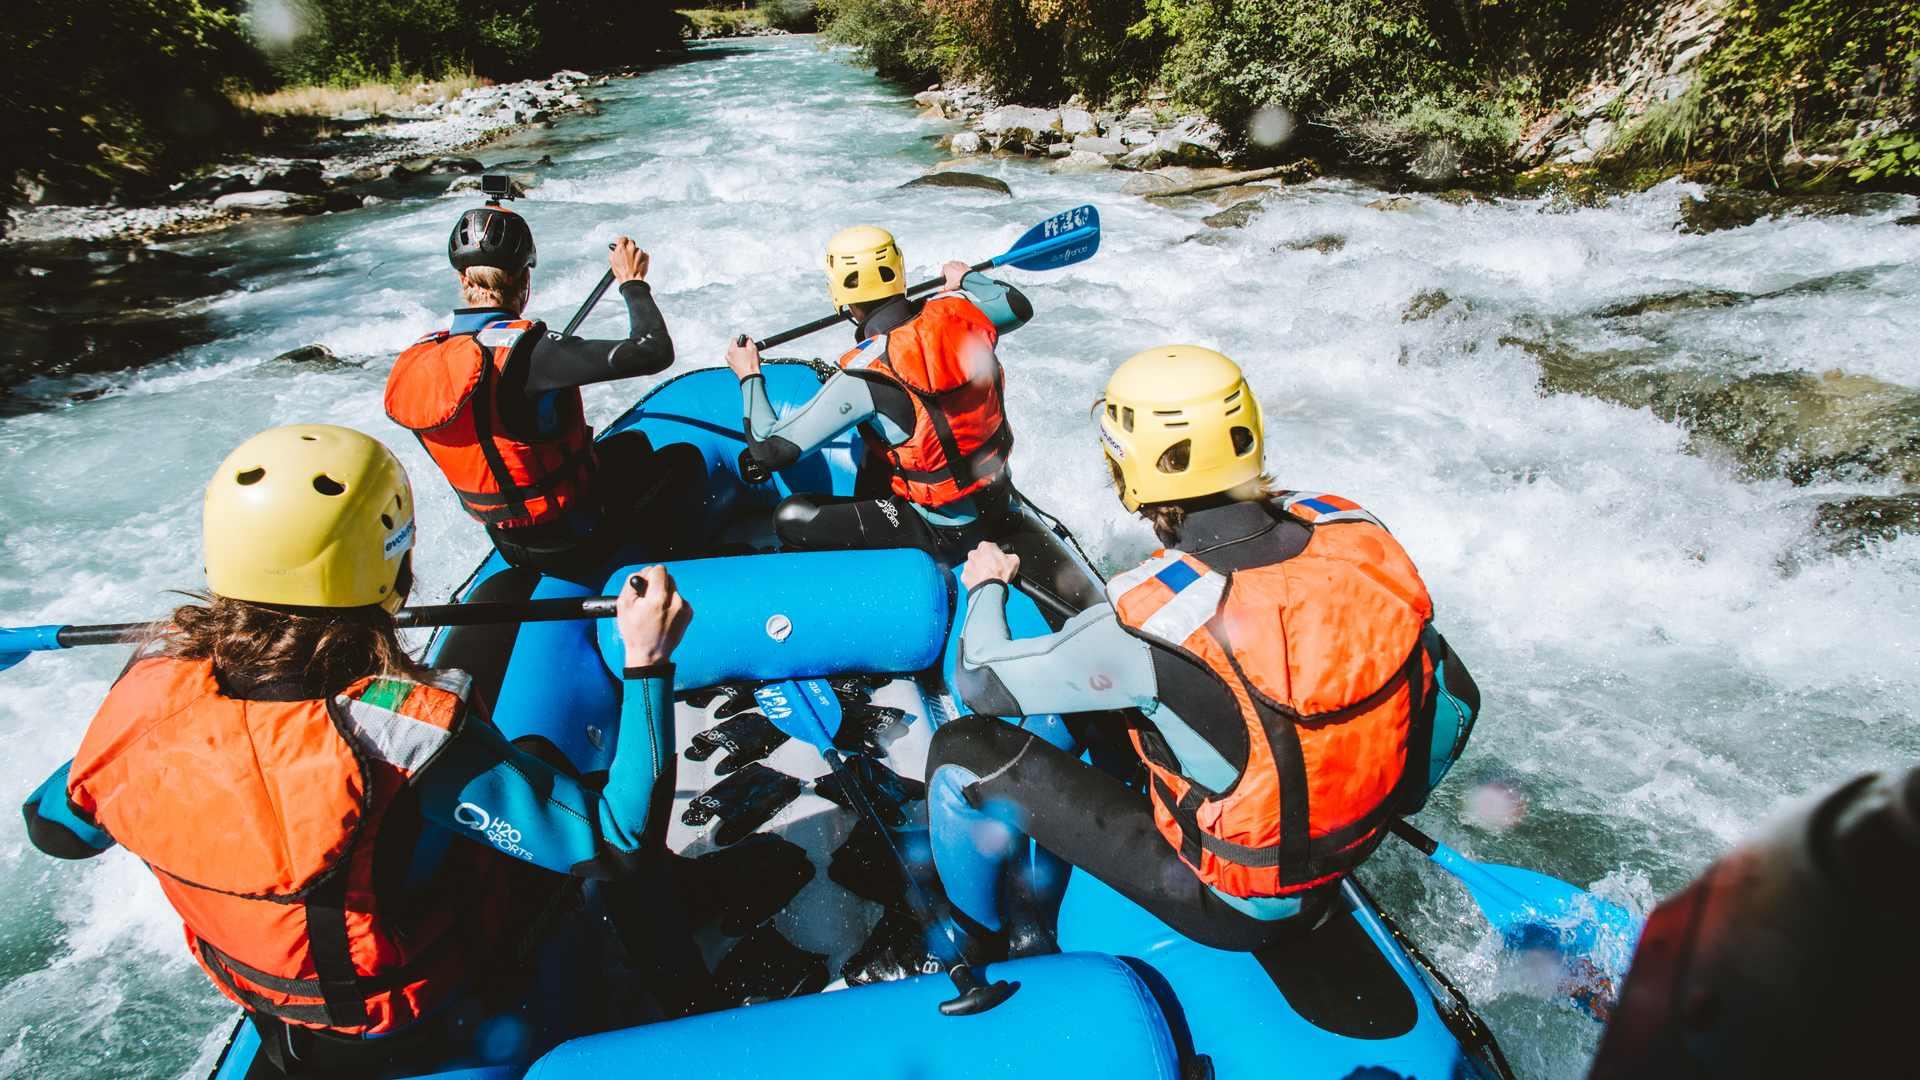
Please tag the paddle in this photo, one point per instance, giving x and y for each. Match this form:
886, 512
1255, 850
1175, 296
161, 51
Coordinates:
599, 290
1532, 911
809, 710
1062, 240
16, 642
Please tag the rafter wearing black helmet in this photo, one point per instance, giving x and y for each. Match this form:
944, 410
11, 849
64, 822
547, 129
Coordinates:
495, 400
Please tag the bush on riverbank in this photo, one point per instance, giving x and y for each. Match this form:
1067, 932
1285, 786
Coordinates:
1432, 86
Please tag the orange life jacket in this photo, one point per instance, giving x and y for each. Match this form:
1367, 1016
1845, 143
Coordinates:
260, 819
943, 358
1326, 655
445, 389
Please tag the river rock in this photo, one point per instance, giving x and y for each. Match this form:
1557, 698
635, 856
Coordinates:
1192, 142
952, 178
1235, 216
448, 166
1425, 305
1096, 144
269, 202
211, 187
1018, 126
1137, 136
301, 177
1059, 149
1853, 523
1660, 304
1599, 134
1325, 244
306, 354
1077, 122
966, 142
1394, 204
1081, 161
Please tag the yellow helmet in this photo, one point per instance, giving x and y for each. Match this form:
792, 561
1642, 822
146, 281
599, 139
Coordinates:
310, 515
864, 264
1179, 421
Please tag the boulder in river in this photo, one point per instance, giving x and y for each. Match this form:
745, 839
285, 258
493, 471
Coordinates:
269, 202
1019, 127
1076, 123
1850, 524
1235, 216
307, 354
1081, 161
966, 142
1690, 300
300, 177
953, 178
449, 166
1097, 144
1325, 244
1393, 204
212, 187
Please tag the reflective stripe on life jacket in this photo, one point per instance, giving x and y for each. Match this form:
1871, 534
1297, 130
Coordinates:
261, 819
943, 358
445, 389
1326, 655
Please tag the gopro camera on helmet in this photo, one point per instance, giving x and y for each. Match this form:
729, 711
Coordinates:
497, 187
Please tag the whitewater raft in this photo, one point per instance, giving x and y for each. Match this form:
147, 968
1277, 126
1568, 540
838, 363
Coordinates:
828, 979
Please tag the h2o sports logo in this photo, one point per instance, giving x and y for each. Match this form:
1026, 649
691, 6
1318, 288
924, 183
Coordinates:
497, 830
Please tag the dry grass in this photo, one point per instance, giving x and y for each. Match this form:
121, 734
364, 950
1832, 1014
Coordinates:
373, 98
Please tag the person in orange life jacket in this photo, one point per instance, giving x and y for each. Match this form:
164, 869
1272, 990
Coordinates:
925, 389
1292, 693
379, 847
495, 400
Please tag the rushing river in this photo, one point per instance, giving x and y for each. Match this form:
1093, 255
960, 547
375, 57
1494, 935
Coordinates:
1614, 501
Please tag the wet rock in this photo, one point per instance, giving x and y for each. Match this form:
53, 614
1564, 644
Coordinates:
1097, 144
1326, 244
1193, 141
1235, 216
1729, 209
269, 202
953, 178
1853, 523
308, 354
1394, 204
336, 201
1460, 197
1425, 305
966, 142
1910, 219
1691, 300
1059, 149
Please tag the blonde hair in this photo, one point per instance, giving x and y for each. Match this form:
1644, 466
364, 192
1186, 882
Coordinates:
490, 286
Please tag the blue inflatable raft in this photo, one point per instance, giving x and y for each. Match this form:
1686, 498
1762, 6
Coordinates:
1127, 997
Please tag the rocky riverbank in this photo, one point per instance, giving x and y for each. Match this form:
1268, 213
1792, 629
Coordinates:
368, 159
1076, 137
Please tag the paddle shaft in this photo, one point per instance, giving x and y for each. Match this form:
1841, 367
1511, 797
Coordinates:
600, 290
827, 321
555, 609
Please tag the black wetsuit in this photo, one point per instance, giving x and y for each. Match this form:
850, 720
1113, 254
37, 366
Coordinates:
641, 494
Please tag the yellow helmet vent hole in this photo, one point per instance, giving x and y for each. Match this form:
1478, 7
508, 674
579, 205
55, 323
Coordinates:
1242, 442
1175, 458
308, 438
386, 521
851, 280
886, 273
327, 485
251, 476
1126, 418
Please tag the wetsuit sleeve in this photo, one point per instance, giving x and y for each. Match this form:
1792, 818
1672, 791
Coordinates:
1057, 673
556, 362
843, 402
481, 786
1007, 306
56, 826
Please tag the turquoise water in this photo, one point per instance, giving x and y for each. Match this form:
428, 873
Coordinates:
1667, 656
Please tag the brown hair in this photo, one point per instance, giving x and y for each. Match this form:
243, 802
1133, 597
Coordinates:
490, 286
324, 650
1166, 518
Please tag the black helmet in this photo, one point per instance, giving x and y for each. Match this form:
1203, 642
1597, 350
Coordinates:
1794, 951
491, 236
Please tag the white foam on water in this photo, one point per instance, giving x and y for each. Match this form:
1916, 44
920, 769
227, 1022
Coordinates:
1664, 650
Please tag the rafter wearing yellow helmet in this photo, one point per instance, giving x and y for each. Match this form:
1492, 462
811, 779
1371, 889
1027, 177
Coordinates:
1180, 422
864, 264
311, 516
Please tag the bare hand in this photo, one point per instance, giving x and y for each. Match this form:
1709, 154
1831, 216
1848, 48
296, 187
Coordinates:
627, 261
743, 356
651, 618
955, 271
989, 563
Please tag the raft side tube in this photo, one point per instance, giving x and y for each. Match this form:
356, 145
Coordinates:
1078, 1014
800, 614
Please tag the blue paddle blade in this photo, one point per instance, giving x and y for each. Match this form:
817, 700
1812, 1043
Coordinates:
1061, 240
17, 641
1534, 911
806, 709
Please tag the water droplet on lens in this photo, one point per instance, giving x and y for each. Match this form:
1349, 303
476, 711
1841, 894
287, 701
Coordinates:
1270, 126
